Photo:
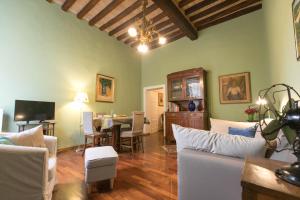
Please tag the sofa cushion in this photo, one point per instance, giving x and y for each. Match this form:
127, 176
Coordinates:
100, 156
222, 126
32, 137
247, 132
224, 144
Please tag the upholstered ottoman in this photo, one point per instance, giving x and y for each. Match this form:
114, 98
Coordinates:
100, 164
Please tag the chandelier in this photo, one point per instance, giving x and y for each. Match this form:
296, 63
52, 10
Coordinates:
144, 32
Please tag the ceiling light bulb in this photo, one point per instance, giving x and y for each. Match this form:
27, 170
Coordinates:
162, 40
143, 48
132, 32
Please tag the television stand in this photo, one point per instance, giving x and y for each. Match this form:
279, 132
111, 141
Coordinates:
48, 127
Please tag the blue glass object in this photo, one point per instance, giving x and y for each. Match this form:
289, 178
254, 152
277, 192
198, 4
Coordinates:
192, 106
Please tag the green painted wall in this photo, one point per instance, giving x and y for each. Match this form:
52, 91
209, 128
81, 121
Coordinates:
281, 53
231, 47
47, 54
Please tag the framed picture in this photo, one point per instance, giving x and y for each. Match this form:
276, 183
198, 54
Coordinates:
160, 99
105, 88
296, 22
235, 88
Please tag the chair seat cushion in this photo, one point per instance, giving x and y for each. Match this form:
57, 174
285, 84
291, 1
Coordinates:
126, 134
100, 156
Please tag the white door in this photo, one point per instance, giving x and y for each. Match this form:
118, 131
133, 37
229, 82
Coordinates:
153, 111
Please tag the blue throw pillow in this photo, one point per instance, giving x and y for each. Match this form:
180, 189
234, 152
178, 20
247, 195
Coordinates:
5, 140
247, 132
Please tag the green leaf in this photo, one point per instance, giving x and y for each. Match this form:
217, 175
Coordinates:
272, 129
287, 106
289, 133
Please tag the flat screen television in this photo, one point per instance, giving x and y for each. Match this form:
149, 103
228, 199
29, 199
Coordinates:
34, 110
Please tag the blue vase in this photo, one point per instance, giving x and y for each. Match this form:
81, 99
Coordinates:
192, 106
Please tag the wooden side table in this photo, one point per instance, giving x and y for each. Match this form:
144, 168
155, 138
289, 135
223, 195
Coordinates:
48, 127
259, 182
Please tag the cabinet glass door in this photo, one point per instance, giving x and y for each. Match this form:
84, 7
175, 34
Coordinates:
176, 89
193, 87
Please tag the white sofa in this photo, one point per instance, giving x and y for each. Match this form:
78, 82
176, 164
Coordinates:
209, 176
28, 173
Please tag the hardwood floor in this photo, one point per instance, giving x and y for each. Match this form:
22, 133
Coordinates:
143, 176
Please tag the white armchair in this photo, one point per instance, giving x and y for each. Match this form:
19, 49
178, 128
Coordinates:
28, 173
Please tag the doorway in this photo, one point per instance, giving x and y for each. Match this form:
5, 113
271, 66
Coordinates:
154, 107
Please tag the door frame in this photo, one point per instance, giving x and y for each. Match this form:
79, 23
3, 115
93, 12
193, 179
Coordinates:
155, 87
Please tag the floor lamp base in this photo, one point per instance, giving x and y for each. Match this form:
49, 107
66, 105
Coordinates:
79, 149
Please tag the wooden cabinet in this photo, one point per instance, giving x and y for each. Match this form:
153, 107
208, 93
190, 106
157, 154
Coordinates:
187, 85
183, 87
196, 120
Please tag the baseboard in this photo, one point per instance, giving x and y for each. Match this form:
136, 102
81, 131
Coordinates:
60, 150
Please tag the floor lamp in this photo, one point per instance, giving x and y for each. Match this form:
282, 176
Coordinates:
80, 98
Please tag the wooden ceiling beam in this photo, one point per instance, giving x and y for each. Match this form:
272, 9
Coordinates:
120, 16
177, 17
212, 9
105, 11
226, 12
167, 30
129, 40
231, 16
175, 36
154, 19
184, 3
122, 36
198, 6
157, 18
163, 24
87, 8
132, 20
162, 32
67, 5
168, 36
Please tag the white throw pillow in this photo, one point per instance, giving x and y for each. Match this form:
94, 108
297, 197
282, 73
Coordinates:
222, 126
224, 144
32, 138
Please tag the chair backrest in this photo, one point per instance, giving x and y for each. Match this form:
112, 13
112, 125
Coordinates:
1, 119
87, 118
100, 114
137, 122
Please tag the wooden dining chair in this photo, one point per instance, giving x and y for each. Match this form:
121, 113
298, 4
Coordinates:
90, 132
129, 139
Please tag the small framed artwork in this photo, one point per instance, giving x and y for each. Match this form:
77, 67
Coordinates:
160, 99
235, 88
296, 22
105, 88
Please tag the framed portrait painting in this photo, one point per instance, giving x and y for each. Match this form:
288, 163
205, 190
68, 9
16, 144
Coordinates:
160, 99
296, 22
105, 88
235, 88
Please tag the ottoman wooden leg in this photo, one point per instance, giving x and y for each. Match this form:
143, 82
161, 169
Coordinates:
111, 183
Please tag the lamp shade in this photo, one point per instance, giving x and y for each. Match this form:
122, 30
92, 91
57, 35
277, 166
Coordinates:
81, 97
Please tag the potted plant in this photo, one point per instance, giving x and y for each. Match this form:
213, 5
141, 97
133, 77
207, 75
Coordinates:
251, 113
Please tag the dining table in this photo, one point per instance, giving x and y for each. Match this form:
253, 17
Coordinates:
113, 124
